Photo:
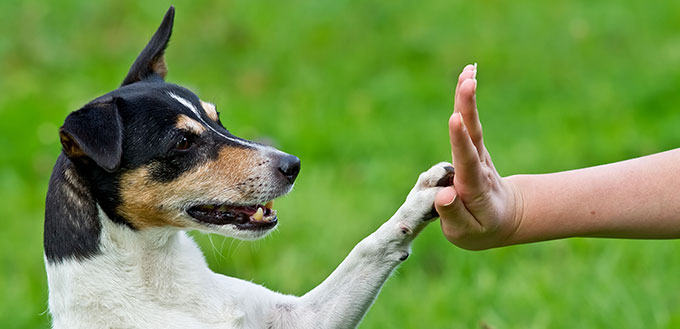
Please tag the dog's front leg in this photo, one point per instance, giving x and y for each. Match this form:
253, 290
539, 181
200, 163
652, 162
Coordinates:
344, 297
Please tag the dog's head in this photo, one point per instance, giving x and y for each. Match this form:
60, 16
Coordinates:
155, 155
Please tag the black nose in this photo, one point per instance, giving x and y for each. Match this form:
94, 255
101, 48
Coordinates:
289, 166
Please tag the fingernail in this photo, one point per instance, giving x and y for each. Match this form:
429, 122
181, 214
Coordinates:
474, 73
474, 87
448, 204
449, 192
462, 123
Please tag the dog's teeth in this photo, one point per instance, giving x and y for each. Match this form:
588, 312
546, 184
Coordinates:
269, 204
257, 216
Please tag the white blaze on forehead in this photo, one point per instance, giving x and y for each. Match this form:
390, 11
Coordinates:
184, 102
193, 109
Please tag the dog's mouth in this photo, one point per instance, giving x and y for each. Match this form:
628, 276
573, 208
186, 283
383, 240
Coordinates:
253, 217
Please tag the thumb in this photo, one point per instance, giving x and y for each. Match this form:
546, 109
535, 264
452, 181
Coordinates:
456, 220
444, 200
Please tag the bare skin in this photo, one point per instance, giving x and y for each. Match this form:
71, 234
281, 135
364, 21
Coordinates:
635, 199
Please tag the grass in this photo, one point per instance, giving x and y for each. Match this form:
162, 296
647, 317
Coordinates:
361, 91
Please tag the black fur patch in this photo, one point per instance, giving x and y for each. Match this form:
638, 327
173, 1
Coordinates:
72, 227
151, 62
95, 131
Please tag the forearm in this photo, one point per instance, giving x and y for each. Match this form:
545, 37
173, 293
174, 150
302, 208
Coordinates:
638, 198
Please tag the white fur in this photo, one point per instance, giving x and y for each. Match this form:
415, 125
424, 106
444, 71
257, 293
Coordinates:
158, 278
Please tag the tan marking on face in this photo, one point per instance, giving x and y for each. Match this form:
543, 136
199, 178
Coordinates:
147, 203
186, 123
210, 110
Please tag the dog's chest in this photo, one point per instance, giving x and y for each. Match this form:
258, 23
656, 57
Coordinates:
160, 289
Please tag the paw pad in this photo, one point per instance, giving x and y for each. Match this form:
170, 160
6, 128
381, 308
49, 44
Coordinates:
431, 215
447, 179
404, 256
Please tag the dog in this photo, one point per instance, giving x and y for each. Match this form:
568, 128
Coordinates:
148, 161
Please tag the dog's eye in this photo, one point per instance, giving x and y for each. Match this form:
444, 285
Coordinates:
183, 144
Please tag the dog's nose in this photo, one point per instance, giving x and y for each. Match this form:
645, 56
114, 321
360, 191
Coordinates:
289, 166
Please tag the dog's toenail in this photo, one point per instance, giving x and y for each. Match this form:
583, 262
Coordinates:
403, 257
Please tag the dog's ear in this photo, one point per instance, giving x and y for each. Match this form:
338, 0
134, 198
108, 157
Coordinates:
95, 132
151, 61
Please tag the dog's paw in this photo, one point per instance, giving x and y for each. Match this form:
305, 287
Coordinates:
439, 175
418, 209
416, 212
420, 201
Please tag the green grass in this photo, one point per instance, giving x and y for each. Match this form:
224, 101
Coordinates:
361, 92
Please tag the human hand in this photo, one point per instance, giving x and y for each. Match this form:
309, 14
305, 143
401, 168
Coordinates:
482, 209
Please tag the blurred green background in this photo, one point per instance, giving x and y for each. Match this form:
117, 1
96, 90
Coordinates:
361, 92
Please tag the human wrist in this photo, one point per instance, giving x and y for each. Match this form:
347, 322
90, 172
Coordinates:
516, 187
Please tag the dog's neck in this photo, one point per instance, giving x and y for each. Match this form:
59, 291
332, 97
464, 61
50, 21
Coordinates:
128, 274
128, 264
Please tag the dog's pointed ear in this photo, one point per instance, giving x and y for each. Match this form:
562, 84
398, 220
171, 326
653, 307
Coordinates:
151, 61
94, 132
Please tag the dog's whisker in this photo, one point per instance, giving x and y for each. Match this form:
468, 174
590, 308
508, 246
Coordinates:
215, 251
224, 239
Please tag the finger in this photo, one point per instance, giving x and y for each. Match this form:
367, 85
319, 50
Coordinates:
464, 74
467, 106
469, 72
468, 179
